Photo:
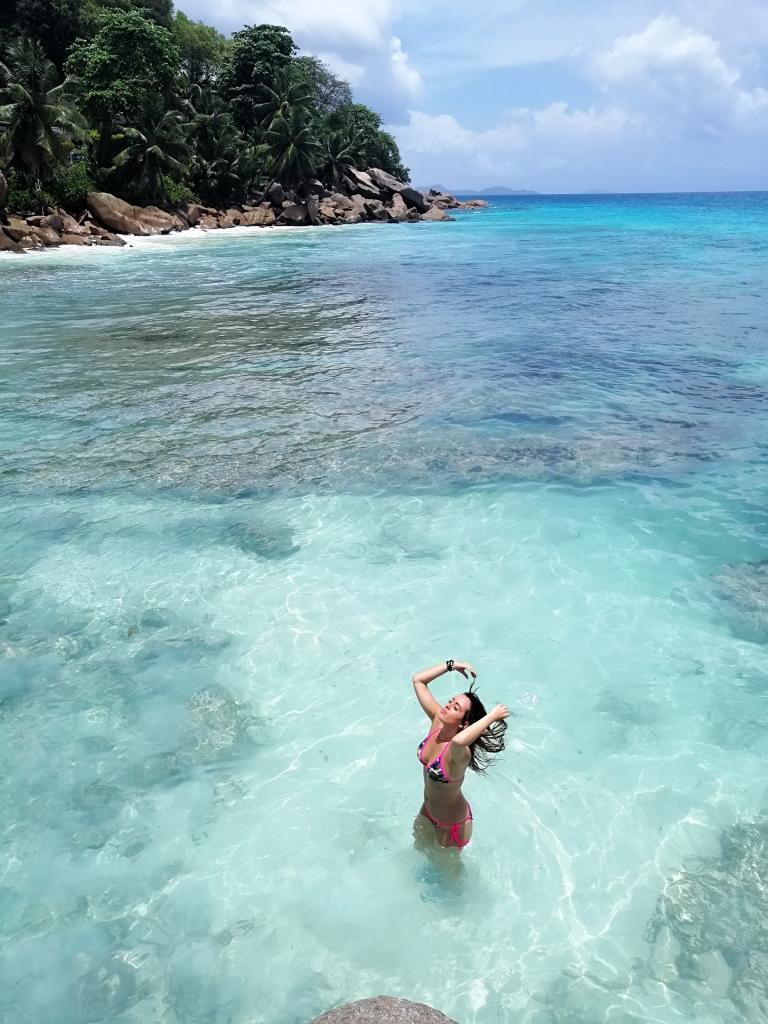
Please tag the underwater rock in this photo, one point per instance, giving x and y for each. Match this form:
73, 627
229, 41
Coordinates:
744, 727
217, 724
97, 802
745, 590
383, 1010
272, 542
164, 769
719, 906
23, 915
108, 990
645, 713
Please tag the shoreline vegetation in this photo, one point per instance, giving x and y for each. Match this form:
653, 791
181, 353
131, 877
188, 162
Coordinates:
125, 117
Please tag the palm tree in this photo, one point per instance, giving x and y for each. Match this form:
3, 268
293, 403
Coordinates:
292, 147
248, 165
342, 150
40, 116
214, 181
224, 174
222, 156
157, 148
207, 122
281, 98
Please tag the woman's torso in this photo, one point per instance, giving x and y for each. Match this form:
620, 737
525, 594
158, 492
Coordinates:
443, 777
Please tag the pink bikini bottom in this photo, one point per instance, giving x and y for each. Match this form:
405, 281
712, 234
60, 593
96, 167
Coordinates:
454, 826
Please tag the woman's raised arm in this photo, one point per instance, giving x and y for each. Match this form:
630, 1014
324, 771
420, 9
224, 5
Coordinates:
421, 681
473, 732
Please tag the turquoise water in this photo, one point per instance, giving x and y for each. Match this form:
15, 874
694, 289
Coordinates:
251, 481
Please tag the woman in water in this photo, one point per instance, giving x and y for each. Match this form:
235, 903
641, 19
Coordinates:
462, 736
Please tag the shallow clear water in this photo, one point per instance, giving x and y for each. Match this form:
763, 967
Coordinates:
251, 481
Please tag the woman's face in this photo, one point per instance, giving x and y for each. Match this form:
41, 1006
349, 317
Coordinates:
454, 711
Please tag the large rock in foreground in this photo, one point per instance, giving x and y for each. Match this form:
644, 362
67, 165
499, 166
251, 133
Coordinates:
29, 235
398, 211
157, 221
435, 213
261, 217
115, 214
383, 1010
7, 244
363, 184
414, 198
120, 216
385, 180
295, 214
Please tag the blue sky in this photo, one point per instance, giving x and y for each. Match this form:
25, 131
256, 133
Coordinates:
552, 95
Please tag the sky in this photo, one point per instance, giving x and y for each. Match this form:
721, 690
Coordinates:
548, 95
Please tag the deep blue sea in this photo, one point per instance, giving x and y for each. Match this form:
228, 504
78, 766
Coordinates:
250, 481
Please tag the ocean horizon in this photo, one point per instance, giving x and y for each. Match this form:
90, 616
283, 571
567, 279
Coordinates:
252, 480
533, 194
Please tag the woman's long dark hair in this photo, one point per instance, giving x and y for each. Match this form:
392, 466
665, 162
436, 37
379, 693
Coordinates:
482, 752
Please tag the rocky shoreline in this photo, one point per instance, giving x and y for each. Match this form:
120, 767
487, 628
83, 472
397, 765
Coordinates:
361, 196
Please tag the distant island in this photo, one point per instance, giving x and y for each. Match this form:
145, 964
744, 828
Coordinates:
494, 190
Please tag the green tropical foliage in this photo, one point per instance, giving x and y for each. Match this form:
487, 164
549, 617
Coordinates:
280, 98
255, 58
130, 96
72, 185
342, 150
149, 153
55, 24
202, 49
25, 198
41, 119
129, 63
377, 147
292, 146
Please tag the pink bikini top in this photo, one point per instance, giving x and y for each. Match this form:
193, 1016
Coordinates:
435, 769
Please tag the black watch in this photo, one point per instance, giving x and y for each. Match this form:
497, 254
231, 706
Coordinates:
449, 664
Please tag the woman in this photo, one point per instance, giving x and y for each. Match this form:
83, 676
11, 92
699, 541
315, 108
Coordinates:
462, 736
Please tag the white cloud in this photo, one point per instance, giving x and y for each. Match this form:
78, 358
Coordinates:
440, 133
352, 73
520, 129
665, 45
527, 142
559, 118
739, 25
678, 75
357, 40
407, 76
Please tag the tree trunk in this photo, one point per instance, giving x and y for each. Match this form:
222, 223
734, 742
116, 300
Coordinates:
263, 195
104, 147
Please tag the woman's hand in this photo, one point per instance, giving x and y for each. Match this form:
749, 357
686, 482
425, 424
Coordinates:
499, 713
464, 667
